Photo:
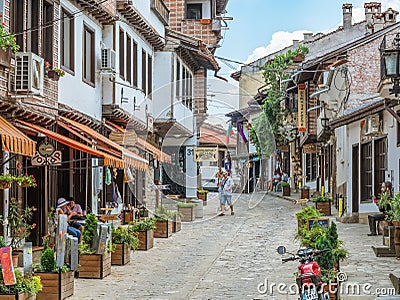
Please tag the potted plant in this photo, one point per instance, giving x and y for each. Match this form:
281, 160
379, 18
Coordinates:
285, 188
91, 263
187, 210
53, 73
176, 217
309, 212
124, 242
145, 232
26, 180
18, 223
26, 287
394, 216
163, 223
7, 45
323, 204
305, 192
202, 195
58, 283
6, 181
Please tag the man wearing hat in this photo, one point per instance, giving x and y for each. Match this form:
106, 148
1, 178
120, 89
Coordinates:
61, 206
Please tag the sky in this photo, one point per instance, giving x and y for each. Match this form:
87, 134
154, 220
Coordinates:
260, 27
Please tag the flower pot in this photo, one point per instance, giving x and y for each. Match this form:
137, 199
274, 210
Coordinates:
203, 197
146, 240
305, 194
4, 184
188, 214
17, 296
122, 255
163, 229
5, 57
53, 75
176, 224
56, 285
324, 207
286, 190
94, 265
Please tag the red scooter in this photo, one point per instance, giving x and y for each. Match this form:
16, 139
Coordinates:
309, 280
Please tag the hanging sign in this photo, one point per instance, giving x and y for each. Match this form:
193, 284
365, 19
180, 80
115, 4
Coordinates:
205, 154
54, 159
302, 108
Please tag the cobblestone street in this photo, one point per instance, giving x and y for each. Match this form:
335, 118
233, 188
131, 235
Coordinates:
229, 257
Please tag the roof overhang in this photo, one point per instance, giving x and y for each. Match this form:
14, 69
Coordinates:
192, 50
119, 116
103, 12
128, 10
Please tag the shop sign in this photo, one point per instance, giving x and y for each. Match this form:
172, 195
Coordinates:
54, 159
302, 108
311, 149
205, 154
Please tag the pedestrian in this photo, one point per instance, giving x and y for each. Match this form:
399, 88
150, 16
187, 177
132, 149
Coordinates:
277, 179
386, 188
226, 195
62, 204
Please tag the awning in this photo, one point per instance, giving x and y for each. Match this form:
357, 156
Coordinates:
131, 159
109, 160
14, 141
160, 155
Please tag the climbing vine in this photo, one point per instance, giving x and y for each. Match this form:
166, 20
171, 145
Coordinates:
273, 115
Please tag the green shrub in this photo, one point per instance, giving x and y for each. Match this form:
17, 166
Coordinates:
284, 184
322, 198
143, 225
121, 235
47, 260
89, 230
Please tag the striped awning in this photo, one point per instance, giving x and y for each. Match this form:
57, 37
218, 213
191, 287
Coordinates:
14, 141
130, 158
109, 160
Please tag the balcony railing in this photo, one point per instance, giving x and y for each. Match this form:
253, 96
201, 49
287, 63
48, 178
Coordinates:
161, 10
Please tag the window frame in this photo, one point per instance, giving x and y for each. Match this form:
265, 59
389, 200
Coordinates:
128, 58
47, 32
149, 76
195, 7
121, 55
135, 62
91, 31
71, 68
144, 71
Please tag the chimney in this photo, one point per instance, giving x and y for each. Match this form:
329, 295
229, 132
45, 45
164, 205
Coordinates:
296, 43
347, 15
390, 17
373, 17
307, 36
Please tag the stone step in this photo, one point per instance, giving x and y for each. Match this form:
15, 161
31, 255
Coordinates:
383, 251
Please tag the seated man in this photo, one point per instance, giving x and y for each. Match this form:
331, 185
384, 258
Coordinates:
373, 218
62, 204
74, 212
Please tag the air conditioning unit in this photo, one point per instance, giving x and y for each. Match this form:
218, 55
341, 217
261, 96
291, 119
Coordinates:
372, 125
29, 73
107, 60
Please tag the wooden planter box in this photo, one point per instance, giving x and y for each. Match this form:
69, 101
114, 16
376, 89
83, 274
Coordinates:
286, 190
19, 296
94, 265
202, 197
176, 224
56, 285
163, 229
324, 207
122, 255
188, 214
305, 193
146, 240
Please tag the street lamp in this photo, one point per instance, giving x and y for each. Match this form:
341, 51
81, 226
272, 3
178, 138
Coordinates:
324, 123
390, 60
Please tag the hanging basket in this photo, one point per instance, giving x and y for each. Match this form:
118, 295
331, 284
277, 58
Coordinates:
25, 184
5, 185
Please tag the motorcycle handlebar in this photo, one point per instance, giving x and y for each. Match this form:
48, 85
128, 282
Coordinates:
318, 252
289, 259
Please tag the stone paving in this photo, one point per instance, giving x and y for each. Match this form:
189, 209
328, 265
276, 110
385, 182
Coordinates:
234, 257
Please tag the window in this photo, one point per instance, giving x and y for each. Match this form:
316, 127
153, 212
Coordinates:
150, 76
178, 78
193, 11
17, 21
47, 32
366, 171
144, 72
398, 131
129, 59
88, 55
135, 64
121, 53
380, 164
33, 35
67, 40
311, 167
183, 85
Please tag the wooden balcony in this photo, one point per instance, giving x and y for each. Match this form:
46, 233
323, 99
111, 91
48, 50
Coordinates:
161, 10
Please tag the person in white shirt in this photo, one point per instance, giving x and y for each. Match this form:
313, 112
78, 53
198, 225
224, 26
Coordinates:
227, 187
